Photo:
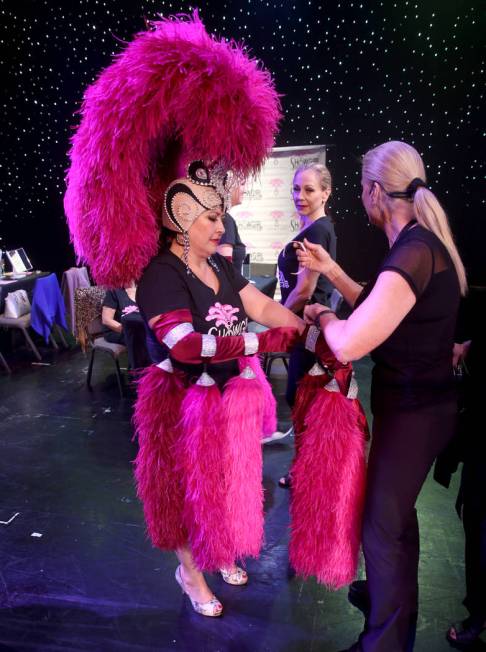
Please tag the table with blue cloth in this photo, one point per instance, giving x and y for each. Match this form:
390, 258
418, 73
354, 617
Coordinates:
18, 282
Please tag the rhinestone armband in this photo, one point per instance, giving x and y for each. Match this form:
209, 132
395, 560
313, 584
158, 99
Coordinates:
251, 343
176, 334
208, 348
311, 338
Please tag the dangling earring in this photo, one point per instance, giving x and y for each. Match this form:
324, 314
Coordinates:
185, 252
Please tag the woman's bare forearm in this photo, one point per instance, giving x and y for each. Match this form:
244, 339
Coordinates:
344, 284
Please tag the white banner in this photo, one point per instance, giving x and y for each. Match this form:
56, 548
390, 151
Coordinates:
267, 218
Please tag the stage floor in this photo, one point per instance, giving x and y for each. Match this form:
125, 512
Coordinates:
77, 572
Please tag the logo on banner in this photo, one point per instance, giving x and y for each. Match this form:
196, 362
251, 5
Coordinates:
277, 185
277, 216
295, 225
297, 161
253, 193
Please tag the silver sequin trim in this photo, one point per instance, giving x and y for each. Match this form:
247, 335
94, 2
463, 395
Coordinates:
251, 343
208, 348
166, 365
177, 334
205, 380
248, 373
353, 388
332, 386
316, 370
311, 339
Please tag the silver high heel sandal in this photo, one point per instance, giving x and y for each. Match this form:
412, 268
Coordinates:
238, 577
211, 608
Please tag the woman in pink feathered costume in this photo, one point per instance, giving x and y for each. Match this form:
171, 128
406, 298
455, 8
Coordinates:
147, 188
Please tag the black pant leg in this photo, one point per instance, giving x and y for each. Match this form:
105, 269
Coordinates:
135, 339
474, 521
404, 447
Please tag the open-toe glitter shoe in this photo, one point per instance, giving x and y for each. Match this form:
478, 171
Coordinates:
211, 608
238, 577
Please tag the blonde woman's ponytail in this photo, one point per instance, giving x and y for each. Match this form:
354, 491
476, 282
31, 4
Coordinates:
399, 169
431, 216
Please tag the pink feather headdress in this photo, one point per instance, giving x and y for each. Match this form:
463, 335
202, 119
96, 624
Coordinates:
176, 94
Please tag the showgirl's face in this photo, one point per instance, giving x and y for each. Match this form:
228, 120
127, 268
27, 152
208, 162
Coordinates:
309, 198
206, 232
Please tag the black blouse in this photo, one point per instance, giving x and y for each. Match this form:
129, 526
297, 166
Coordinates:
165, 286
319, 232
413, 367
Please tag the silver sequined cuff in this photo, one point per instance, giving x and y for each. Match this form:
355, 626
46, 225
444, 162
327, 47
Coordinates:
251, 343
311, 339
176, 334
208, 348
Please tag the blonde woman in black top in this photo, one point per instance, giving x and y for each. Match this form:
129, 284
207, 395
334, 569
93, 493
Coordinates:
405, 317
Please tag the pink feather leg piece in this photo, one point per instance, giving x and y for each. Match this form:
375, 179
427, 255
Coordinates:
328, 481
201, 453
158, 483
269, 421
175, 94
243, 404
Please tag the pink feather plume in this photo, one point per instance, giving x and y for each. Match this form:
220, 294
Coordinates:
174, 95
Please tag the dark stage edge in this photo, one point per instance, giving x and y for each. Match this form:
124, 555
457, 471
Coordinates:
92, 581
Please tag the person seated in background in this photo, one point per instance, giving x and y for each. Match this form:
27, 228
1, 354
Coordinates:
124, 324
231, 246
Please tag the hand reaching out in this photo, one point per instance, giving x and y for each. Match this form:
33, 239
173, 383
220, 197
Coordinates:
311, 312
314, 257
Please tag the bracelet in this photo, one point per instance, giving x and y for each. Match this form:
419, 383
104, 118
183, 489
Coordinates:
317, 320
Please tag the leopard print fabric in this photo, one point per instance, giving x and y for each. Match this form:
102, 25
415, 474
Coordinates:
88, 303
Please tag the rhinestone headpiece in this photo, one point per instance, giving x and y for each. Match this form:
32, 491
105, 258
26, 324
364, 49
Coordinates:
204, 188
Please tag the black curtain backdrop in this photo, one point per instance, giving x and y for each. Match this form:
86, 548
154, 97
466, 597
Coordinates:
352, 74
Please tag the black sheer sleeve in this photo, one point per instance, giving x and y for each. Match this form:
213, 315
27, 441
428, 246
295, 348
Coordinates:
414, 261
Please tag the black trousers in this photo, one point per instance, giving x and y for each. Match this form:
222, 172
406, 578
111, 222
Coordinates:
404, 446
473, 489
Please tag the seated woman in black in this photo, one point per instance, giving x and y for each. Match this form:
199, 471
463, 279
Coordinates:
124, 324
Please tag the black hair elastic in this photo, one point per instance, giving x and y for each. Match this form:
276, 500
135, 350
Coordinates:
410, 191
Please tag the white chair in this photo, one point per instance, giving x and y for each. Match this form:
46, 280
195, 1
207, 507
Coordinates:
21, 323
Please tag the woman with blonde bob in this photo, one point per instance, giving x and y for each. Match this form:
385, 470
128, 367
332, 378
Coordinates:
405, 317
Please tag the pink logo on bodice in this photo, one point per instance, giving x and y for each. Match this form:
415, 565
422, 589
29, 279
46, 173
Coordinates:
129, 309
224, 315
